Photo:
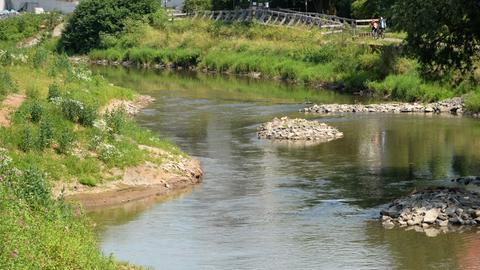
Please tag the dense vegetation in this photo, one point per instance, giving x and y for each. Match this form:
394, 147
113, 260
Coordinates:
93, 18
57, 134
275, 53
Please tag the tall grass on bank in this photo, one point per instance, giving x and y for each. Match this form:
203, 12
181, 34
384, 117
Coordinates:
294, 54
56, 135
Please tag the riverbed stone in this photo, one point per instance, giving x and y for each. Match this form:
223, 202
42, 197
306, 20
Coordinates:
431, 215
435, 208
297, 130
452, 106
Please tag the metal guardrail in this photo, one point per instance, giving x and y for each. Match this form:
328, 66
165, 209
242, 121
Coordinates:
276, 17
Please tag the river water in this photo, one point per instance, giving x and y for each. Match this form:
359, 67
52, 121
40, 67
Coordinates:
282, 206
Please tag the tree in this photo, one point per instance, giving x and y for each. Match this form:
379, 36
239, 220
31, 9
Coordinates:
442, 34
91, 18
365, 9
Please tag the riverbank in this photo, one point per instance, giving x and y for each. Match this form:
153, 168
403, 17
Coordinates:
454, 106
259, 51
434, 210
136, 183
66, 132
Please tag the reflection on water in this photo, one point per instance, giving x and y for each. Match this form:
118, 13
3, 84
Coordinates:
270, 206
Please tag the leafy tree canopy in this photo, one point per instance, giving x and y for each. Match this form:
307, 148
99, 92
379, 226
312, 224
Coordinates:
92, 18
442, 34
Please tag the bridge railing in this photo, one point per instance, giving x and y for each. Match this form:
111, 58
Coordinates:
277, 17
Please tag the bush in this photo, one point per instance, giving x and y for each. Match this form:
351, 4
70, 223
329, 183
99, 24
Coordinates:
159, 19
39, 57
78, 112
65, 141
87, 181
185, 58
26, 139
36, 111
111, 54
53, 92
107, 152
32, 188
20, 27
45, 136
71, 109
87, 116
472, 102
93, 17
144, 55
61, 65
116, 120
7, 85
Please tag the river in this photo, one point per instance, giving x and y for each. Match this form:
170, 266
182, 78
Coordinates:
282, 206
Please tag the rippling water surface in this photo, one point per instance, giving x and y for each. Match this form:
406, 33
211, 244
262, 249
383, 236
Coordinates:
271, 206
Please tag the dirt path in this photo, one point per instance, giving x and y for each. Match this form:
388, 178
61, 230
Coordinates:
9, 105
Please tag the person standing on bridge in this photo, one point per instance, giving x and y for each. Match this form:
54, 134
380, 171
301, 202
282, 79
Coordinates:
374, 26
383, 24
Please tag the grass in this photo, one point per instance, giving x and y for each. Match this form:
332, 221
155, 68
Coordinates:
57, 134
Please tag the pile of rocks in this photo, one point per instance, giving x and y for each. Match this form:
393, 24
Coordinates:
297, 129
452, 106
467, 180
434, 208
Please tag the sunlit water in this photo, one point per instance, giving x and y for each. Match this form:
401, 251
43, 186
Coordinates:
270, 206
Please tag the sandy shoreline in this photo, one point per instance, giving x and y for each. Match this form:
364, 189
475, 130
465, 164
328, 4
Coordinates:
137, 183
151, 179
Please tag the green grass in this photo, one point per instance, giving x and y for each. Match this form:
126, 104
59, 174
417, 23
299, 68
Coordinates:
295, 54
58, 134
472, 101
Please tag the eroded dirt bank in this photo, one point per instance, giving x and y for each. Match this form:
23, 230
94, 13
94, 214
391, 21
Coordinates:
135, 183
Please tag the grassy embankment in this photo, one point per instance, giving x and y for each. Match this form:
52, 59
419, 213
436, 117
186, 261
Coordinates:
57, 134
294, 54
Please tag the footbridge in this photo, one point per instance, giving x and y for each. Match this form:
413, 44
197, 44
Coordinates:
281, 17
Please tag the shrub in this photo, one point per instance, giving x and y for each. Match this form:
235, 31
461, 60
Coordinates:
71, 109
45, 136
36, 111
7, 85
185, 57
53, 92
20, 27
87, 181
144, 55
107, 152
32, 188
39, 57
26, 139
65, 141
472, 102
116, 120
87, 116
111, 54
159, 19
61, 65
92, 17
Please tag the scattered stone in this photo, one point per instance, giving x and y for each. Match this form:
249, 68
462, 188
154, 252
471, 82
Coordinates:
431, 215
467, 180
452, 106
434, 210
297, 130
